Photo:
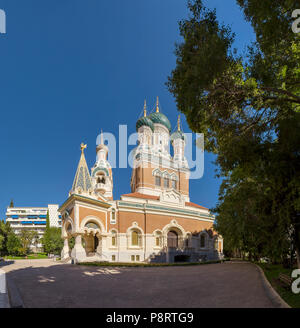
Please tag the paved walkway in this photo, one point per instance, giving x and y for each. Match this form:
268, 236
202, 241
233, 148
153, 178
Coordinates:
4, 303
44, 283
3, 290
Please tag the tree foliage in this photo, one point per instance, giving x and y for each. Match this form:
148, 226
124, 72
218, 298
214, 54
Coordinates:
26, 238
52, 241
5, 230
14, 246
249, 111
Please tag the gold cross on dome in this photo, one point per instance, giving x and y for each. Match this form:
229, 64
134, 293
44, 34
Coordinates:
82, 147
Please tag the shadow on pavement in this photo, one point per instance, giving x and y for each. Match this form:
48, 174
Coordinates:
204, 286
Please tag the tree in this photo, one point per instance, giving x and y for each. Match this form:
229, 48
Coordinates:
2, 243
13, 244
52, 241
35, 239
5, 230
26, 238
248, 109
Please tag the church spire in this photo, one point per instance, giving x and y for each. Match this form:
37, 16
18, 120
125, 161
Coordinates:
82, 180
83, 147
145, 108
101, 137
178, 123
157, 105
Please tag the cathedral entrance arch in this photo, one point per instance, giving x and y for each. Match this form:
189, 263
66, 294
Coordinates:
96, 243
172, 240
91, 238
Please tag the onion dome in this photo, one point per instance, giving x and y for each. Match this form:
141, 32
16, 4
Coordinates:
178, 134
144, 120
160, 118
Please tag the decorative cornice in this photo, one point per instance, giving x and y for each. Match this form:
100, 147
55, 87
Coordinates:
165, 208
88, 200
154, 159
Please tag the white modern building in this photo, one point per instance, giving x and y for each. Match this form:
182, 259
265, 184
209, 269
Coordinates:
33, 218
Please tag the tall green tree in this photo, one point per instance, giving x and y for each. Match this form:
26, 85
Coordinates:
14, 245
248, 109
5, 230
26, 238
52, 241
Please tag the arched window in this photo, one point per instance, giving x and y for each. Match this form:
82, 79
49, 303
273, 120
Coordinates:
113, 216
134, 238
100, 178
166, 182
174, 184
114, 238
157, 180
158, 239
202, 241
92, 225
172, 239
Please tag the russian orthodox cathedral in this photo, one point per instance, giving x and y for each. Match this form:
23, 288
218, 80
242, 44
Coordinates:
156, 221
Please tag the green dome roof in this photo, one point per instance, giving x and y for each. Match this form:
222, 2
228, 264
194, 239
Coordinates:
160, 118
144, 121
177, 135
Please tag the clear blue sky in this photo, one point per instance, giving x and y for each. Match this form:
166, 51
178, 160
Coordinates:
71, 67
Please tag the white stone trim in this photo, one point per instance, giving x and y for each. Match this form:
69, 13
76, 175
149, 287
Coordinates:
93, 219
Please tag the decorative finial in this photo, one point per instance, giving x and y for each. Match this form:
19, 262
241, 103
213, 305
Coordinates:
101, 137
82, 147
178, 123
157, 105
145, 108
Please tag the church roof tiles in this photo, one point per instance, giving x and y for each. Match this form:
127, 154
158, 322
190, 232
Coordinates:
82, 178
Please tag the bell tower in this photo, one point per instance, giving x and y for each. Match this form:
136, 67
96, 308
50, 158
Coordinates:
101, 172
155, 172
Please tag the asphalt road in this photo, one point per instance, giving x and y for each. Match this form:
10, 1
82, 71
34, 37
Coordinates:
44, 283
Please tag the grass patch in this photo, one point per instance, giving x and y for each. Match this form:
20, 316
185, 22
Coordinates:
272, 272
28, 257
144, 265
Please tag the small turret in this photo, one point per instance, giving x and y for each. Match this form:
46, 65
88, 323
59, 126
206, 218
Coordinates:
102, 180
178, 140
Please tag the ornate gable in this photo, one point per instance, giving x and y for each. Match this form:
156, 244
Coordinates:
172, 197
